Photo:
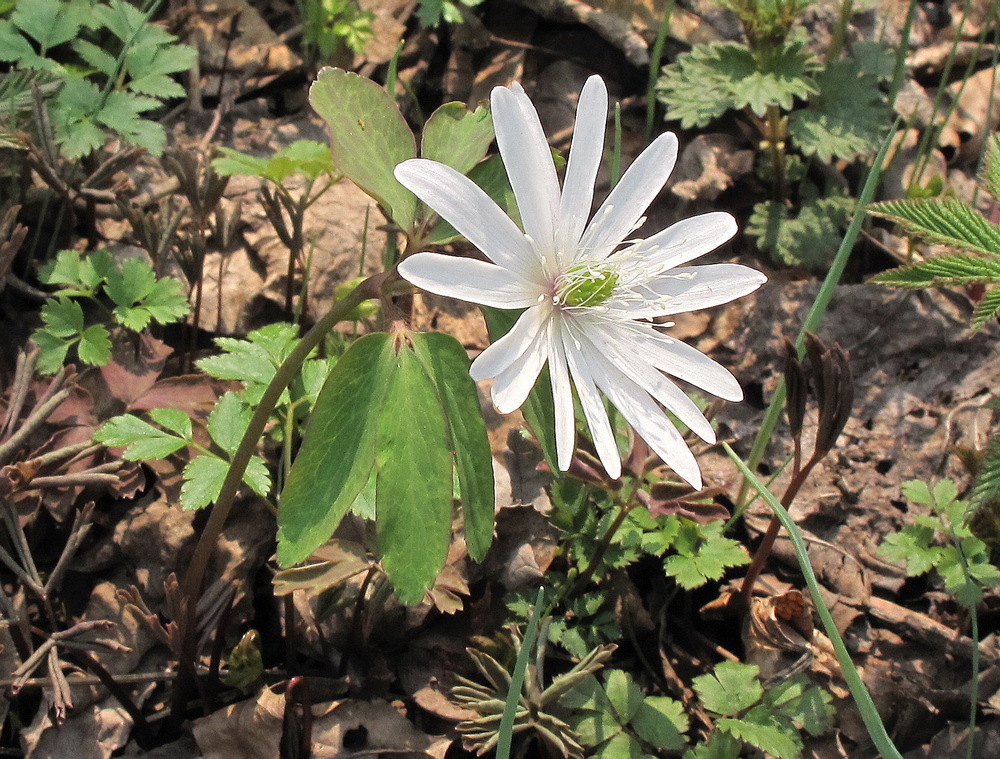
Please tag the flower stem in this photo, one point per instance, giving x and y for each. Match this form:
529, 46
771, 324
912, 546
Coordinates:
195, 576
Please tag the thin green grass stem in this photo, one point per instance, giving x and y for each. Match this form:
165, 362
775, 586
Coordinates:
655, 58
974, 624
869, 714
989, 106
819, 306
505, 732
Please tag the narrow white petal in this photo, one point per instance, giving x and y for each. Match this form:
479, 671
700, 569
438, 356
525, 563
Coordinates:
685, 241
626, 204
678, 359
652, 425
460, 202
696, 287
636, 368
468, 279
508, 349
582, 166
562, 397
593, 408
528, 161
512, 385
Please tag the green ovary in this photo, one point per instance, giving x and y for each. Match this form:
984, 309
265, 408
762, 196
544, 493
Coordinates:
587, 285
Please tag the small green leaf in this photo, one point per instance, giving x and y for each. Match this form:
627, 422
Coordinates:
141, 440
50, 22
338, 449
719, 745
622, 746
203, 478
173, 419
661, 722
810, 238
731, 687
446, 361
990, 176
131, 283
413, 489
987, 308
623, 694
63, 317
762, 730
228, 421
52, 351
368, 138
94, 347
456, 136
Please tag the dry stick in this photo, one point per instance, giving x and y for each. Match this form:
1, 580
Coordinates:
764, 549
193, 580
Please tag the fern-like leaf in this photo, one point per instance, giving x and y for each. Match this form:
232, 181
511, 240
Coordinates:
946, 221
987, 308
987, 485
990, 176
948, 270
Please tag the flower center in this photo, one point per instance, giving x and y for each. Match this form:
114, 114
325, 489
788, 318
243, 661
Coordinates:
586, 284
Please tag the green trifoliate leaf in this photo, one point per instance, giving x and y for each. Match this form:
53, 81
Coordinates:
912, 546
713, 79
730, 689
946, 221
413, 489
703, 554
806, 705
69, 268
368, 138
338, 449
845, 119
141, 440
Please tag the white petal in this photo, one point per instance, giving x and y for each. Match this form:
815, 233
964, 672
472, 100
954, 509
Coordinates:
678, 359
562, 397
593, 409
582, 166
508, 349
617, 216
468, 279
684, 241
652, 381
528, 161
458, 200
652, 425
695, 287
512, 385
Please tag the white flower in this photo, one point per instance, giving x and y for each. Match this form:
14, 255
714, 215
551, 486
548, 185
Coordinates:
589, 293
